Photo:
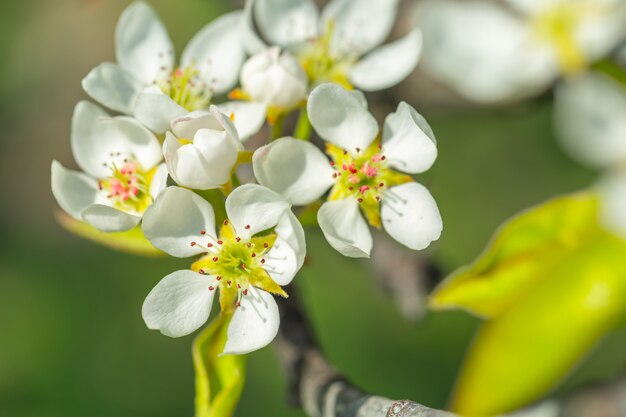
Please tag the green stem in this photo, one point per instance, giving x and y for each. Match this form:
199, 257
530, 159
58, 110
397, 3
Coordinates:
303, 127
277, 128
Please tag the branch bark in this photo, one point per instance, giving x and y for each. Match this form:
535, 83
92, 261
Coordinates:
317, 387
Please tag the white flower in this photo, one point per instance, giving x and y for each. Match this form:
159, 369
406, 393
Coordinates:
340, 45
260, 247
489, 53
367, 176
271, 84
122, 176
145, 82
590, 119
201, 149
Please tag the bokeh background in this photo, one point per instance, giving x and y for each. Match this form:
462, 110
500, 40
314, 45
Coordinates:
72, 340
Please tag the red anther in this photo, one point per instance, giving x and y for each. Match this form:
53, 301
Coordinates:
377, 198
262, 261
266, 245
238, 285
201, 271
351, 188
215, 259
211, 288
380, 146
335, 175
332, 163
383, 157
203, 232
225, 222
253, 255
209, 245
382, 184
245, 292
229, 283
238, 239
360, 200
219, 277
193, 244
242, 266
358, 150
219, 242
344, 167
249, 244
247, 227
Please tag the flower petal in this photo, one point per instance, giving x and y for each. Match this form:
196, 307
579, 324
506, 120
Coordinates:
339, 117
253, 208
112, 86
98, 140
408, 141
186, 165
388, 65
293, 168
159, 181
590, 117
410, 215
482, 51
156, 110
142, 44
219, 153
109, 219
74, 191
344, 228
179, 304
287, 22
247, 116
175, 219
251, 41
217, 52
186, 127
286, 257
359, 25
254, 324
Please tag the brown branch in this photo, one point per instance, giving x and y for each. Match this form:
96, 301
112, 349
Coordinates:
317, 387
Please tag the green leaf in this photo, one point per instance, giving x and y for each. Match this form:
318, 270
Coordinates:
552, 284
132, 241
219, 379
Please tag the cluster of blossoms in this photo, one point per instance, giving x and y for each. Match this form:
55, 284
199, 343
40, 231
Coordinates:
156, 166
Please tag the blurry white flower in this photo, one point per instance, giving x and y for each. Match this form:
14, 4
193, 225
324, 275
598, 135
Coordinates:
259, 248
201, 149
145, 81
342, 44
271, 84
489, 53
366, 175
122, 176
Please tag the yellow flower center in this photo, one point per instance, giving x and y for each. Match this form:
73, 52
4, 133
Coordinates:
363, 175
186, 87
128, 187
237, 264
321, 64
558, 25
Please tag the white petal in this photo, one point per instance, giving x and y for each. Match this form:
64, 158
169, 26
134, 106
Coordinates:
175, 219
293, 168
179, 304
254, 324
482, 51
408, 141
388, 65
410, 215
98, 139
253, 208
109, 219
74, 191
344, 228
248, 116
339, 117
159, 181
156, 110
590, 118
112, 86
360, 25
613, 202
287, 22
217, 51
250, 38
286, 257
186, 127
219, 153
142, 44
186, 165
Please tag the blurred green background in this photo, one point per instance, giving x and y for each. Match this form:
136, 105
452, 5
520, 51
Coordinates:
72, 340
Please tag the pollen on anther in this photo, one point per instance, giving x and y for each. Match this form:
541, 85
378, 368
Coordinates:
245, 292
382, 184
219, 242
211, 288
238, 239
201, 272
332, 163
203, 232
262, 261
193, 244
209, 245
215, 259
229, 283
219, 277
360, 200
225, 222
238, 285
266, 245
247, 227
253, 255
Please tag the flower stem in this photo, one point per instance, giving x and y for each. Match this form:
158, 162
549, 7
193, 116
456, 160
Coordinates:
277, 128
303, 127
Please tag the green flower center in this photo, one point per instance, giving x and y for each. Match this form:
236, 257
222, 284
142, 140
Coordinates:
236, 264
128, 187
363, 175
321, 64
186, 87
